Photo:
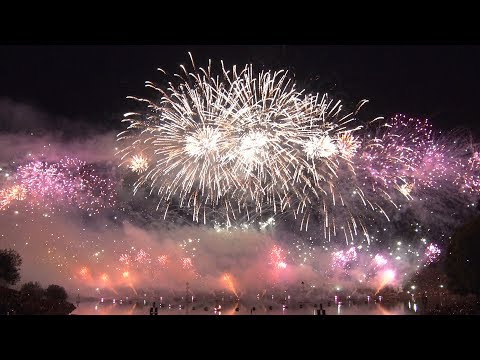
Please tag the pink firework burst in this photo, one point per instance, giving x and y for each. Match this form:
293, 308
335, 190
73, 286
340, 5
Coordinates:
125, 259
69, 181
432, 253
163, 260
277, 259
142, 257
84, 272
187, 263
394, 153
379, 261
104, 277
340, 259
468, 176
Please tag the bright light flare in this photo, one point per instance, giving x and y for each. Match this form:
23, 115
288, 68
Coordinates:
228, 279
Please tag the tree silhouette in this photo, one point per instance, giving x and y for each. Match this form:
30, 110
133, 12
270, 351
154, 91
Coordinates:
31, 299
462, 263
32, 290
56, 293
10, 262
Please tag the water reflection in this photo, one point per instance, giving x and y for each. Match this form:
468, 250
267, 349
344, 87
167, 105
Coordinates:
239, 308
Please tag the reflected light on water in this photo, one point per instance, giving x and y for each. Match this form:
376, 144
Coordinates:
239, 308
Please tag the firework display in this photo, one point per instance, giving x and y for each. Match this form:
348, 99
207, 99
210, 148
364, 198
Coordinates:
277, 259
432, 253
69, 181
242, 143
341, 258
278, 187
7, 195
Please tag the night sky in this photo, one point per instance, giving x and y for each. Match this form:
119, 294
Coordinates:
90, 82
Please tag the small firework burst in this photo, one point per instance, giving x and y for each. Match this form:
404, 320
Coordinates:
162, 260
138, 164
432, 253
277, 258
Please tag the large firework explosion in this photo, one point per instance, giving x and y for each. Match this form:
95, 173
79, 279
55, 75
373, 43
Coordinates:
243, 144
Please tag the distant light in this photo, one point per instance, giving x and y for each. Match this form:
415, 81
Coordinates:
412, 287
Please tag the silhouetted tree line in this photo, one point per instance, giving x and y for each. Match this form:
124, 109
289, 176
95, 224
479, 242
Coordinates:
462, 263
31, 299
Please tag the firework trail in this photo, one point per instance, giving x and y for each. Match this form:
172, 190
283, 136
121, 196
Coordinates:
386, 278
125, 259
228, 279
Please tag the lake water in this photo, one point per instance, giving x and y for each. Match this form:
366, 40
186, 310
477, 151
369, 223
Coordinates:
108, 307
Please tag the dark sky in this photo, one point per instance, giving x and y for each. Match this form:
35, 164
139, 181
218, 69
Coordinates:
91, 82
